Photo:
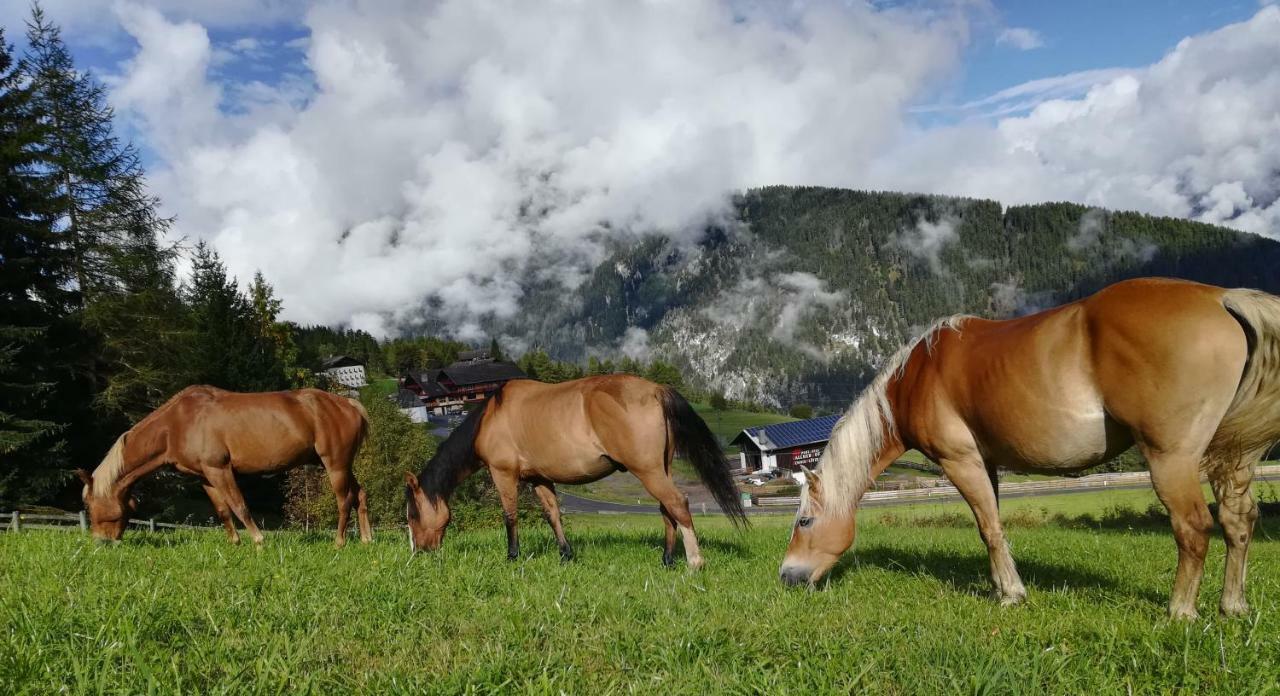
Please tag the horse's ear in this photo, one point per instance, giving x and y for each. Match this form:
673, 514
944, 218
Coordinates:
85, 477
411, 481
810, 477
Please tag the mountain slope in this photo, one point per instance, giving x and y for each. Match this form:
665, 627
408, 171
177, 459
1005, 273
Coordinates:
805, 294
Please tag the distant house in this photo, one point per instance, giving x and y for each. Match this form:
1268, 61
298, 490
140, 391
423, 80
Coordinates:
450, 389
473, 356
784, 445
411, 406
344, 370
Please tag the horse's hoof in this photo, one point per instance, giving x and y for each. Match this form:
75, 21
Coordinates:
668, 560
1184, 614
1234, 609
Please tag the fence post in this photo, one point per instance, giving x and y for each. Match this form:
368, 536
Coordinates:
16, 522
84, 521
151, 525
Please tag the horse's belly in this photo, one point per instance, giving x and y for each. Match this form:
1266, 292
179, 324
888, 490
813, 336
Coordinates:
1066, 437
568, 469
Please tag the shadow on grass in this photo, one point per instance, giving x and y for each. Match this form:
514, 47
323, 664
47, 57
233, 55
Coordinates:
970, 573
604, 540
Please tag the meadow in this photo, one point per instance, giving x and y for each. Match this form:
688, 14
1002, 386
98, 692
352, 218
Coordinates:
907, 612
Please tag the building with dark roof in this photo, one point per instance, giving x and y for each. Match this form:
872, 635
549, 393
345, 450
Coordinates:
784, 445
450, 389
344, 370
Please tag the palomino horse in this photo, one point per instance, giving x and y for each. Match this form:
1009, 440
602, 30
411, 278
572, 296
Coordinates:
1188, 372
215, 434
573, 432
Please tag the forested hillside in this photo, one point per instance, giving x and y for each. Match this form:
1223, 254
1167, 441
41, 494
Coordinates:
802, 298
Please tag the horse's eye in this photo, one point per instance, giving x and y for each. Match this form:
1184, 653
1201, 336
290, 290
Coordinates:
805, 521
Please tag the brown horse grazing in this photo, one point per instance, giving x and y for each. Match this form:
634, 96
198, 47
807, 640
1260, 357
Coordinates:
1188, 372
573, 432
215, 434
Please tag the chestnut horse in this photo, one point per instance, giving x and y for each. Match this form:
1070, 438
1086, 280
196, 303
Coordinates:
1189, 373
573, 432
215, 434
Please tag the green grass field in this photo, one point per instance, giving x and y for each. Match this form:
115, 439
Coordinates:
907, 613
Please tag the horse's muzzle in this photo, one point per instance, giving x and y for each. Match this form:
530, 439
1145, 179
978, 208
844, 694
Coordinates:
794, 575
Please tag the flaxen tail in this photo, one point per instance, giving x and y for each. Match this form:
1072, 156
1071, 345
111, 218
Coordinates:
692, 437
1252, 424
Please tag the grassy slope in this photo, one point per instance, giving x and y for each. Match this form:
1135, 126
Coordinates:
907, 613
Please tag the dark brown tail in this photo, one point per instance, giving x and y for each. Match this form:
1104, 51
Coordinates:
695, 440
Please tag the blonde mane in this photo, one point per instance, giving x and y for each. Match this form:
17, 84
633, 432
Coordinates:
844, 472
110, 470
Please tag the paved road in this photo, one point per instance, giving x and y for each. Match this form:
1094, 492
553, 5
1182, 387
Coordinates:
573, 503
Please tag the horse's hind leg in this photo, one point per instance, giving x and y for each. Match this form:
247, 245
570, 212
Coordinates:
222, 479
669, 543
224, 513
1176, 478
1237, 512
347, 492
661, 487
971, 478
546, 492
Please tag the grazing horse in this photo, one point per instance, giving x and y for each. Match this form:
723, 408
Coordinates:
573, 432
1189, 373
215, 434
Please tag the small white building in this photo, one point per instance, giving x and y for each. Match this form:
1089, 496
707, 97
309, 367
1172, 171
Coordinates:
411, 406
784, 445
345, 370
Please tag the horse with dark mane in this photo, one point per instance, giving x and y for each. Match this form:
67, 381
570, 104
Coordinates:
216, 434
1189, 373
574, 432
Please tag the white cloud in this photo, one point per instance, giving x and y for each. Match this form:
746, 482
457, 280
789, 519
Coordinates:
433, 150
927, 240
447, 144
1194, 135
635, 344
1021, 38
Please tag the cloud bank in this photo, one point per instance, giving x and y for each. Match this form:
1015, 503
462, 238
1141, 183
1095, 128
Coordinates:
439, 151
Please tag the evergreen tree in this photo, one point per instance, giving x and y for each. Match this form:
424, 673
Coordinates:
33, 302
276, 344
109, 225
228, 349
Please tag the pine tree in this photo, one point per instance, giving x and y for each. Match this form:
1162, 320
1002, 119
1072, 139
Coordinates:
110, 227
33, 302
276, 342
228, 347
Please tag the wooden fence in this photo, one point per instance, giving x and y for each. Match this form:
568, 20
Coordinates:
944, 490
18, 521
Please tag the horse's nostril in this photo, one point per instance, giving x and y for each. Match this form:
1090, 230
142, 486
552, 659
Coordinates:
792, 576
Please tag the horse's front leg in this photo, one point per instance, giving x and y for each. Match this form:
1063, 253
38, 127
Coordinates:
970, 477
508, 486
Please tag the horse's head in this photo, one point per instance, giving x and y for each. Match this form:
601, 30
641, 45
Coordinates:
427, 516
108, 512
818, 537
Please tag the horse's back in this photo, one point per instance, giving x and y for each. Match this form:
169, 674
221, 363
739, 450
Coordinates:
258, 431
569, 430
1066, 387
